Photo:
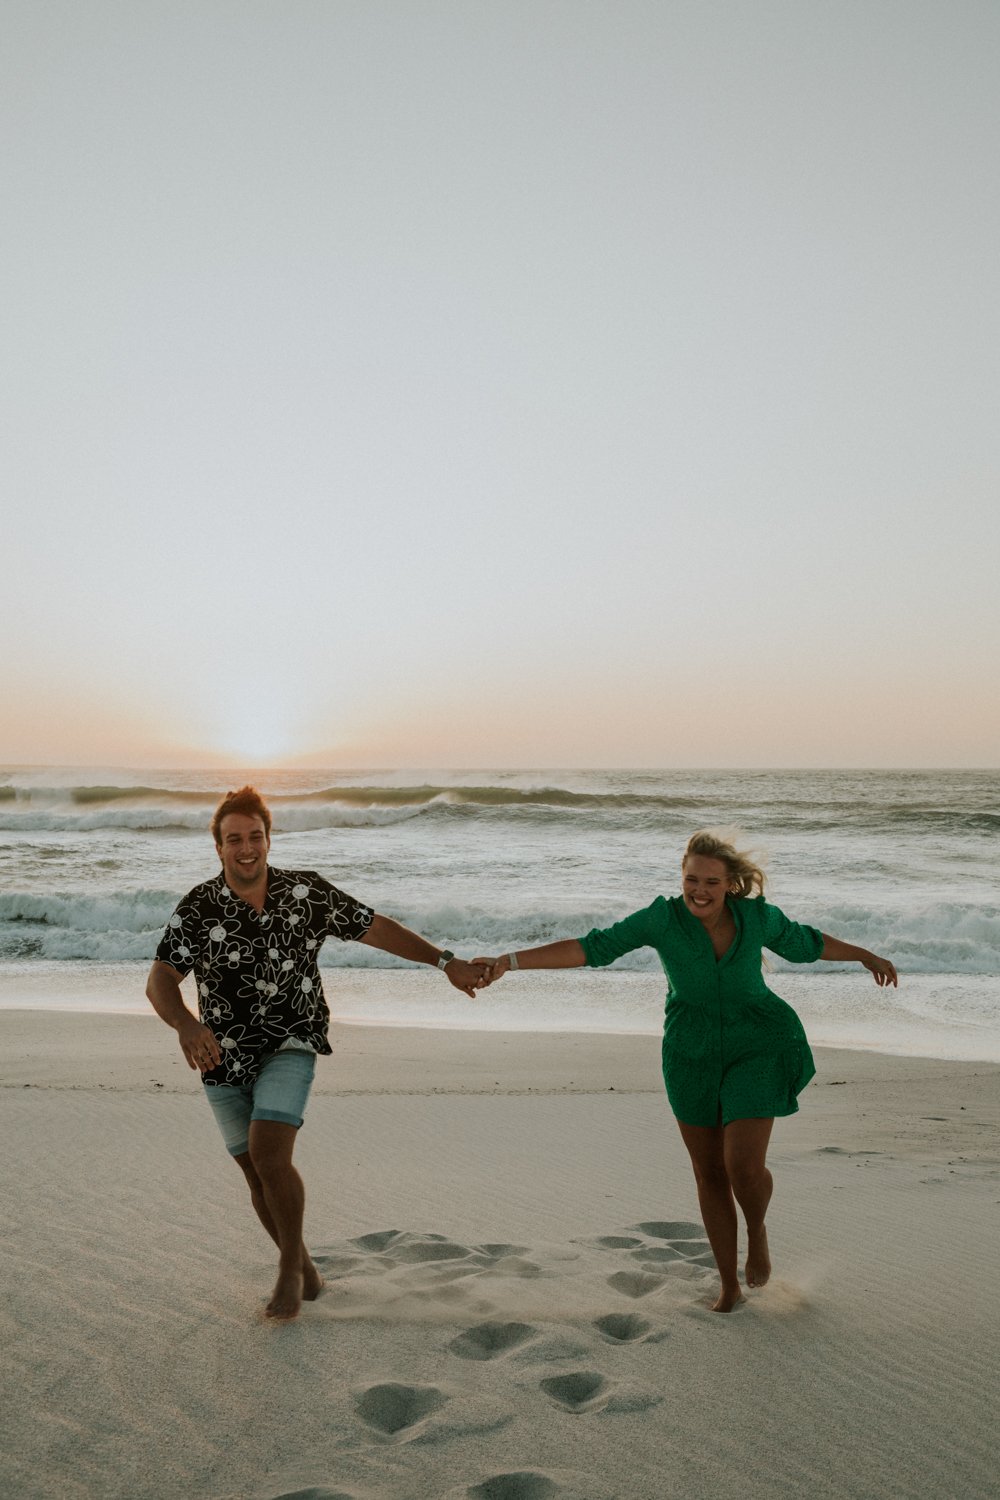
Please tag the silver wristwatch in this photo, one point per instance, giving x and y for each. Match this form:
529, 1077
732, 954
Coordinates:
445, 959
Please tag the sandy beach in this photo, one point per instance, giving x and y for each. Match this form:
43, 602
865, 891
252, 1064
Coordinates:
517, 1280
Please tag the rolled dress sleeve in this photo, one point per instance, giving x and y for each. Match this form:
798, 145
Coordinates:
603, 945
792, 941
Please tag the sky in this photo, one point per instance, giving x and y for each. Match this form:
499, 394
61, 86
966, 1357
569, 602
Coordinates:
533, 383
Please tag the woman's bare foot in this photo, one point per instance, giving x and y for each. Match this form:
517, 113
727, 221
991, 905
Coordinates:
758, 1266
312, 1281
286, 1299
728, 1298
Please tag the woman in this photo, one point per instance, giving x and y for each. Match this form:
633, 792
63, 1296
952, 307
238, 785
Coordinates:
734, 1054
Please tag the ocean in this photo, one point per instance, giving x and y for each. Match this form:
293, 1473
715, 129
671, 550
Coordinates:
902, 862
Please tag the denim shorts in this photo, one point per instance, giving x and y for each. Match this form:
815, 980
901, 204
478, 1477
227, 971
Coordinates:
279, 1092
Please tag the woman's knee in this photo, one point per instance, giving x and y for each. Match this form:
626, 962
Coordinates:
747, 1176
711, 1175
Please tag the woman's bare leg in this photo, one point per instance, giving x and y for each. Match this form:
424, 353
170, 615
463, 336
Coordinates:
718, 1210
745, 1145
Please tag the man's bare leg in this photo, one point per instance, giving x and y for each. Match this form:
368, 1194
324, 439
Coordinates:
718, 1210
745, 1145
312, 1281
271, 1145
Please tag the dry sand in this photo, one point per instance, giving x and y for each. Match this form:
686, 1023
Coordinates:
518, 1285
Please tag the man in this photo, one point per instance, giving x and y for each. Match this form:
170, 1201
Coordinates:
252, 936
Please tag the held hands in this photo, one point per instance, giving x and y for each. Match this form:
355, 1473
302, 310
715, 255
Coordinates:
882, 971
469, 976
496, 968
477, 973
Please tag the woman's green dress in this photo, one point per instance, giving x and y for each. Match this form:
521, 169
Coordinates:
732, 1050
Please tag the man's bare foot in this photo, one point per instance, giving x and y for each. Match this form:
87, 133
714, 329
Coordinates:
728, 1298
286, 1299
758, 1266
312, 1281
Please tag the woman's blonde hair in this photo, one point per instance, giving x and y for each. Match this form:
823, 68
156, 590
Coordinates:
746, 878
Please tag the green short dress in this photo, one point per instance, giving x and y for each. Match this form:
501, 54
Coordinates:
732, 1050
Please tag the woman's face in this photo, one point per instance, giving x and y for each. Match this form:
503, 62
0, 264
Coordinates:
705, 883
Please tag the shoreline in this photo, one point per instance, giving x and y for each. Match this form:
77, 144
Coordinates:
943, 1017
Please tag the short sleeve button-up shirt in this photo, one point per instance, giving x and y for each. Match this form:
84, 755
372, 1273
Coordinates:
257, 973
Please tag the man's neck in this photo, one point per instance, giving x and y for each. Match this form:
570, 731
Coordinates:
254, 895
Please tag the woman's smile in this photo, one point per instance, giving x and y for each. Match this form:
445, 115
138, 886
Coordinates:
705, 884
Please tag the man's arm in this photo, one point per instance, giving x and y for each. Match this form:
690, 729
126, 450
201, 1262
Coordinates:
163, 991
392, 937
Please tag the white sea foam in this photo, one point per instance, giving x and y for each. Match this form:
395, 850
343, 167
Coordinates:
933, 939
904, 863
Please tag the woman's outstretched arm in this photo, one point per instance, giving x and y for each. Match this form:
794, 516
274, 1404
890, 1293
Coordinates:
565, 954
837, 951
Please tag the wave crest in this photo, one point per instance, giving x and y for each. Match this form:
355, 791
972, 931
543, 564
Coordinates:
935, 938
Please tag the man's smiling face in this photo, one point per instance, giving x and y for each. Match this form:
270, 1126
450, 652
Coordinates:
243, 845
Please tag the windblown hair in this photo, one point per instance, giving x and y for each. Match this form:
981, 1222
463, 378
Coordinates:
746, 878
246, 800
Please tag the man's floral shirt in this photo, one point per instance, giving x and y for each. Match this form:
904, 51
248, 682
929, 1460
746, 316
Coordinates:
257, 973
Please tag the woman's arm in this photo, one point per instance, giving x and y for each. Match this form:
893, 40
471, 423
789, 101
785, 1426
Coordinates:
600, 946
565, 954
837, 951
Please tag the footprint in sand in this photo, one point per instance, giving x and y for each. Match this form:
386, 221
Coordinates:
678, 1229
680, 1249
656, 1254
580, 1391
378, 1241
401, 1413
589, 1391
635, 1283
491, 1340
316, 1492
532, 1484
622, 1328
419, 1277
394, 1410
521, 1484
428, 1247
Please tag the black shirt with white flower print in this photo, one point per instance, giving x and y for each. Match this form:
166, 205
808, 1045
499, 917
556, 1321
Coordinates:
257, 972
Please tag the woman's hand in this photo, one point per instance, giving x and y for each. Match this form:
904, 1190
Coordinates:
881, 969
467, 976
835, 950
496, 968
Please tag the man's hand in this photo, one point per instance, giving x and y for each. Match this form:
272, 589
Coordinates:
496, 968
198, 1045
468, 977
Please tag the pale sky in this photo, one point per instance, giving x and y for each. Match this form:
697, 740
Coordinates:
455, 384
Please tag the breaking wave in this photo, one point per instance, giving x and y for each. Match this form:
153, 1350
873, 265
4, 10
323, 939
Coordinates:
929, 939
